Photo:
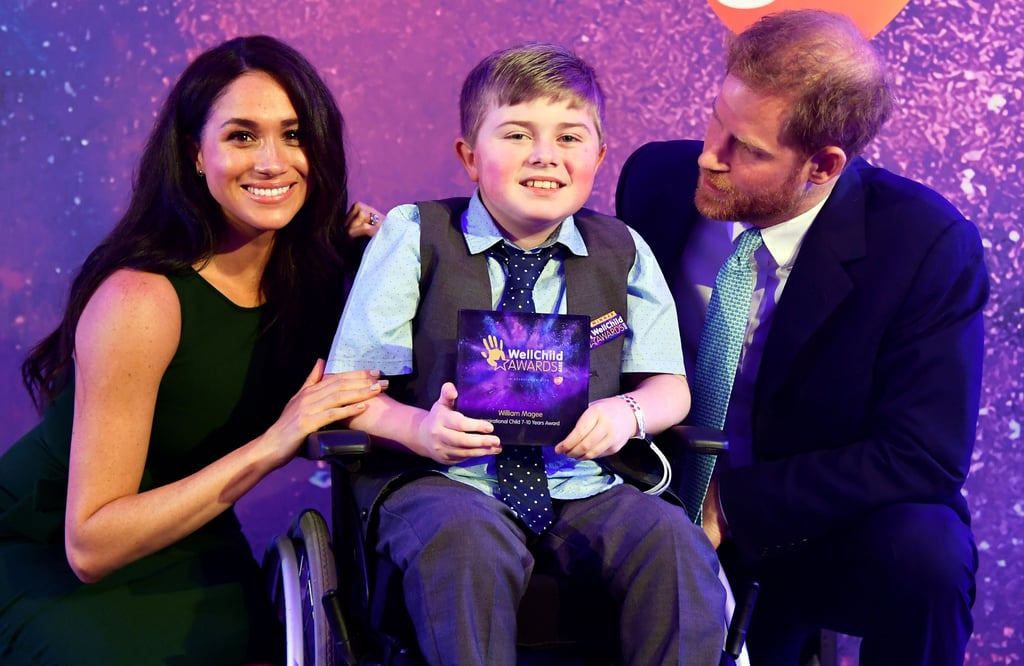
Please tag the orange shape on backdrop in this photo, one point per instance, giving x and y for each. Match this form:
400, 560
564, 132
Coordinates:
869, 15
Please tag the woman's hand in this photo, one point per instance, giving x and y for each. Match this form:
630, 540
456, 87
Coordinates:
322, 400
363, 220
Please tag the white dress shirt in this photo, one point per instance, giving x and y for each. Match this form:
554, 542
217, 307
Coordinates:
711, 242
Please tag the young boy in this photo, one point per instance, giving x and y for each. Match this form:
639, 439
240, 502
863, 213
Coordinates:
532, 141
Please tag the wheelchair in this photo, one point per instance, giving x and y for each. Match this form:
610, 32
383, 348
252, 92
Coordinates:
342, 605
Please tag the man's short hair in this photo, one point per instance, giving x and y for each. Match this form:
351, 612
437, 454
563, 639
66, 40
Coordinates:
837, 85
524, 73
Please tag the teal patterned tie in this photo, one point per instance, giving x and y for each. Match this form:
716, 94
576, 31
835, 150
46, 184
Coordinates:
522, 479
718, 355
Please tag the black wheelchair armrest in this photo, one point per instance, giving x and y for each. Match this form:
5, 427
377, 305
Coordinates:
339, 443
713, 442
695, 438
644, 463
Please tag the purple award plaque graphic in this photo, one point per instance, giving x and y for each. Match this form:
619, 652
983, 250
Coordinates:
527, 373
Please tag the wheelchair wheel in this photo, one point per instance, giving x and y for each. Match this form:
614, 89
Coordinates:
281, 568
317, 575
300, 569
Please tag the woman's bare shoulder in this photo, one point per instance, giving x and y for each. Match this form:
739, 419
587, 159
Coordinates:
132, 309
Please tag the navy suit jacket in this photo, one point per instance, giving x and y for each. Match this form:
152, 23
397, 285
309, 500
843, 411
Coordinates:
868, 389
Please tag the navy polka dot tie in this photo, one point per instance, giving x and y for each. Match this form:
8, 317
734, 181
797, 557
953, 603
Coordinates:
522, 480
522, 270
718, 355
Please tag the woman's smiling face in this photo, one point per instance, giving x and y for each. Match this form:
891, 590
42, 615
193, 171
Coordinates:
252, 154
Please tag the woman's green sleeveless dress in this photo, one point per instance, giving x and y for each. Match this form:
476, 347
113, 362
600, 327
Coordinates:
200, 601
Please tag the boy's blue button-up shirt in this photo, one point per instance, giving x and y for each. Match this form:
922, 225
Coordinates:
376, 327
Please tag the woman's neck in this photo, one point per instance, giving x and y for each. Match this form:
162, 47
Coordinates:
236, 269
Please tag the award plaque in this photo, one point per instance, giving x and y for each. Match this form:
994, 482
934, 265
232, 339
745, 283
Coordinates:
526, 373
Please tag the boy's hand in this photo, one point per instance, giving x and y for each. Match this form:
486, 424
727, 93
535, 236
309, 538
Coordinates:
601, 430
450, 437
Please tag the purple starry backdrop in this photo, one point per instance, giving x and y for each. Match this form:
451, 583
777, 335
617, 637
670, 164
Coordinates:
80, 83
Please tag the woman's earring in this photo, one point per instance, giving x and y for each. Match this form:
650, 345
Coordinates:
200, 172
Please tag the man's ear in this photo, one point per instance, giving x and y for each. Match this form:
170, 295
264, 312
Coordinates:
465, 153
826, 164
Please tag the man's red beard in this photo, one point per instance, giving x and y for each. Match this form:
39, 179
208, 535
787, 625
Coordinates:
773, 205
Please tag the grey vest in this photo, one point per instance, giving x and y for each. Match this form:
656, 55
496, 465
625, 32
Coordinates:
452, 279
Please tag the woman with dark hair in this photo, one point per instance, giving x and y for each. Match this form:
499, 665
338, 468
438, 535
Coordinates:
184, 371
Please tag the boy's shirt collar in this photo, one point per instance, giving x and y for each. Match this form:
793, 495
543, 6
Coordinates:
482, 232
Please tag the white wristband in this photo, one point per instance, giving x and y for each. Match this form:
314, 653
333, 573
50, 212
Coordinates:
641, 430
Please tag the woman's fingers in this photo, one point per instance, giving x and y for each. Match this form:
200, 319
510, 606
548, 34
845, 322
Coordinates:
363, 220
316, 374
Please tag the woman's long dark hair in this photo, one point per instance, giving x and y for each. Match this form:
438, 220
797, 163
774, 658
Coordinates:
172, 222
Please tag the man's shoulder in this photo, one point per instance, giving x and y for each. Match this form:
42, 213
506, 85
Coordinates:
679, 147
894, 219
671, 154
655, 189
885, 190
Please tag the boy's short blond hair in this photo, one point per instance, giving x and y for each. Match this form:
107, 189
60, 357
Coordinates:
524, 73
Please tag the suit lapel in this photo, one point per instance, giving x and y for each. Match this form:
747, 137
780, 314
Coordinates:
819, 281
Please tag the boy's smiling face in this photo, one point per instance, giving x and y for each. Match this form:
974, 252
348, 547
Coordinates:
534, 163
